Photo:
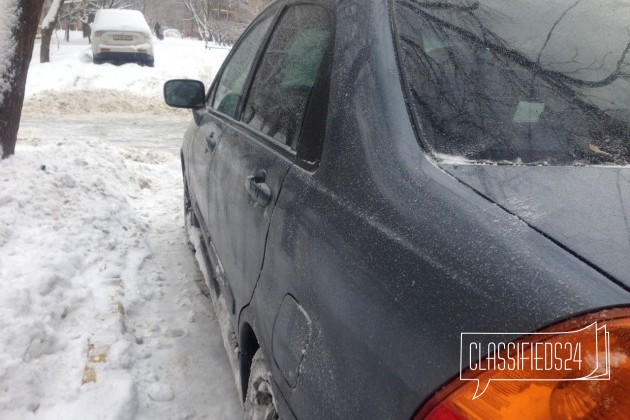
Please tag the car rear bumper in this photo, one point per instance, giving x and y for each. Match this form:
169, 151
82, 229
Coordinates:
123, 57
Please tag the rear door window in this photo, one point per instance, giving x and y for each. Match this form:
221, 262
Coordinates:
234, 77
286, 75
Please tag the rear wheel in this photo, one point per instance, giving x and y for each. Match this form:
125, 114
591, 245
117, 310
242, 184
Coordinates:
259, 401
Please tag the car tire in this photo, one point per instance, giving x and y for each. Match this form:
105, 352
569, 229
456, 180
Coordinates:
259, 402
97, 60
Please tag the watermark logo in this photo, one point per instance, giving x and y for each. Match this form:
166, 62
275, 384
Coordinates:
580, 355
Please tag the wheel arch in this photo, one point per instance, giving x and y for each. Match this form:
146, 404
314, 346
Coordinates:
248, 345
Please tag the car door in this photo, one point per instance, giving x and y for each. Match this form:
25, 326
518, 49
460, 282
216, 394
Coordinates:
211, 119
257, 151
202, 148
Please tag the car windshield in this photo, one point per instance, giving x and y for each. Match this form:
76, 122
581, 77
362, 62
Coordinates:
532, 82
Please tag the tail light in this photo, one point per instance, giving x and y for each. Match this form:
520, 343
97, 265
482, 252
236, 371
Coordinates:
98, 34
530, 393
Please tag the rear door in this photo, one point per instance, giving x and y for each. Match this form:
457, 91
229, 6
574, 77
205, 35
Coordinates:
257, 151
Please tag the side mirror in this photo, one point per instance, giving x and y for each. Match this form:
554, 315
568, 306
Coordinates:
183, 93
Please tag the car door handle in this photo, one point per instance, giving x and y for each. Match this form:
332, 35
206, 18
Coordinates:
211, 142
257, 188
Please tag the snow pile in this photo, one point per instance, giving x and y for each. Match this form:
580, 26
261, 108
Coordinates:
68, 239
99, 311
103, 310
104, 101
8, 20
63, 82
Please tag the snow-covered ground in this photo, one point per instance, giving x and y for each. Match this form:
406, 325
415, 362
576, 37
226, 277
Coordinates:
103, 310
71, 83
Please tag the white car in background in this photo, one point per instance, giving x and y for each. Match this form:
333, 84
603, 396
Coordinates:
121, 36
171, 33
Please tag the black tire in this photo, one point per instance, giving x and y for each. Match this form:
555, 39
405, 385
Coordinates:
259, 402
97, 60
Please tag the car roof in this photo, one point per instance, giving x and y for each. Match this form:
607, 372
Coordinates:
120, 19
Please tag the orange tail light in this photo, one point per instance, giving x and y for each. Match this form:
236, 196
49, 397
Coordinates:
587, 376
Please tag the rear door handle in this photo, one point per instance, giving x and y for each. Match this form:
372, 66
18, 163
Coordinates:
211, 142
257, 188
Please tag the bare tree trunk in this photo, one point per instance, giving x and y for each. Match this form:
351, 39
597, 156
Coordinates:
11, 100
48, 27
44, 52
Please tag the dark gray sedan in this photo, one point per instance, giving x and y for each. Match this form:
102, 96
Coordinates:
419, 208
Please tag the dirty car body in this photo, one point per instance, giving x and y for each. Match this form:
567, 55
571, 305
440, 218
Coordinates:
362, 205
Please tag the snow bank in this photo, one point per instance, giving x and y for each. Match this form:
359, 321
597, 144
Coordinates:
102, 311
99, 311
8, 19
67, 237
103, 101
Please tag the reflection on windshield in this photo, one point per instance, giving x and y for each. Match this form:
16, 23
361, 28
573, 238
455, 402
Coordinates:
525, 81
